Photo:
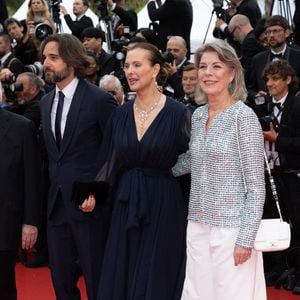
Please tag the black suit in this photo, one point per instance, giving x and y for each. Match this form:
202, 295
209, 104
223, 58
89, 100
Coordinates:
175, 18
256, 82
127, 18
71, 232
20, 199
14, 65
288, 184
77, 27
249, 48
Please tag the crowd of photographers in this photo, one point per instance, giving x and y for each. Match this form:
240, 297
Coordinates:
269, 55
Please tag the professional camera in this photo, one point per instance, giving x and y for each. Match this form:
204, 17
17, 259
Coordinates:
36, 68
42, 30
55, 10
168, 57
264, 110
218, 8
10, 88
102, 7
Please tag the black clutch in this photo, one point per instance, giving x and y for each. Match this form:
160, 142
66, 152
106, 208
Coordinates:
82, 190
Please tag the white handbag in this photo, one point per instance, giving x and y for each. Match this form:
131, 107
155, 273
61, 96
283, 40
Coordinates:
272, 234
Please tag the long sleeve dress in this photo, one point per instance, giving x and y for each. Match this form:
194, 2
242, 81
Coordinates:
145, 252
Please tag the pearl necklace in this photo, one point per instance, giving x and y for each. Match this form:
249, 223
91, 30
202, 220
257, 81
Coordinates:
143, 114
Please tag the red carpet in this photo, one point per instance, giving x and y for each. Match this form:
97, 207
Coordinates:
35, 284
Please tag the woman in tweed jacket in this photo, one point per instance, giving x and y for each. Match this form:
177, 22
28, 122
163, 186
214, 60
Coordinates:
227, 190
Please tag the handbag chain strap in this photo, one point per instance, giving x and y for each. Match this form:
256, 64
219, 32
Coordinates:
271, 179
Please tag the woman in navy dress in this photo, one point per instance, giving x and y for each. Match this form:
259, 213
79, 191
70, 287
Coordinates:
145, 252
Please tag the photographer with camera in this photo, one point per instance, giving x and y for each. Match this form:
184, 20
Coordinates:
38, 16
279, 117
23, 46
82, 21
122, 17
248, 8
92, 40
277, 32
175, 60
175, 18
7, 58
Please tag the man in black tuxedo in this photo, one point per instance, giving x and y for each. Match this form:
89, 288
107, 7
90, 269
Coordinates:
82, 21
177, 47
175, 18
7, 58
282, 146
74, 115
242, 31
277, 31
248, 8
20, 198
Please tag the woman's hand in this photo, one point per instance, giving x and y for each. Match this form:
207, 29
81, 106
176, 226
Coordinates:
88, 204
241, 255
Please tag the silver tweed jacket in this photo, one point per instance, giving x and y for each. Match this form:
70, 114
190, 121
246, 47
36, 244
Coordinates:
227, 189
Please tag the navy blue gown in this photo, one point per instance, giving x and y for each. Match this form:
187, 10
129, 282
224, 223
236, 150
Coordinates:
145, 252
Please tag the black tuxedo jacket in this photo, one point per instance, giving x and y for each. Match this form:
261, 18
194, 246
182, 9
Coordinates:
77, 27
19, 178
14, 65
175, 18
288, 140
256, 82
249, 48
78, 157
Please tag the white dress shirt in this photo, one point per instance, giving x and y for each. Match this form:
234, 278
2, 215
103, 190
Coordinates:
68, 91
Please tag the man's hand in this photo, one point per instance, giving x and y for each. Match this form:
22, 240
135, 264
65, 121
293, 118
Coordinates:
171, 68
270, 135
29, 236
241, 255
88, 204
219, 23
63, 9
6, 74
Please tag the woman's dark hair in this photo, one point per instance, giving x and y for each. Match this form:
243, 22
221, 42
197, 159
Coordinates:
282, 69
155, 57
148, 34
71, 50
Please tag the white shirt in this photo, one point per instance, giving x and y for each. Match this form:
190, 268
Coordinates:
68, 91
272, 155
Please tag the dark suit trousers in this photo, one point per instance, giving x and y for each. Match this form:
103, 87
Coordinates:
288, 189
8, 290
72, 240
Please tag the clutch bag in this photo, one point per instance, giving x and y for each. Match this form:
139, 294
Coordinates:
82, 190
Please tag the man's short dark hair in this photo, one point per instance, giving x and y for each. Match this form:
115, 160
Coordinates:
92, 32
11, 21
277, 20
189, 67
282, 69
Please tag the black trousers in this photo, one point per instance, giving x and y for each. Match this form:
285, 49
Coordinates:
8, 290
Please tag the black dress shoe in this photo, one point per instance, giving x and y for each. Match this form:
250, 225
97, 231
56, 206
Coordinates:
38, 260
296, 289
271, 278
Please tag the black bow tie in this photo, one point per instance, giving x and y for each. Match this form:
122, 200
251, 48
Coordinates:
273, 55
278, 105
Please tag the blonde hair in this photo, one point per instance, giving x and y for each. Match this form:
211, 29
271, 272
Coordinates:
228, 56
44, 13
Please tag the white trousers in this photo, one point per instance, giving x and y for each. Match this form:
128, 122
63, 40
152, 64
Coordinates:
210, 270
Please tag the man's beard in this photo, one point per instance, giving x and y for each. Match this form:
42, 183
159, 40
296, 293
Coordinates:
54, 77
276, 45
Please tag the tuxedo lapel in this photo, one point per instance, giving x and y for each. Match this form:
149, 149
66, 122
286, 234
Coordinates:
73, 115
47, 120
287, 106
